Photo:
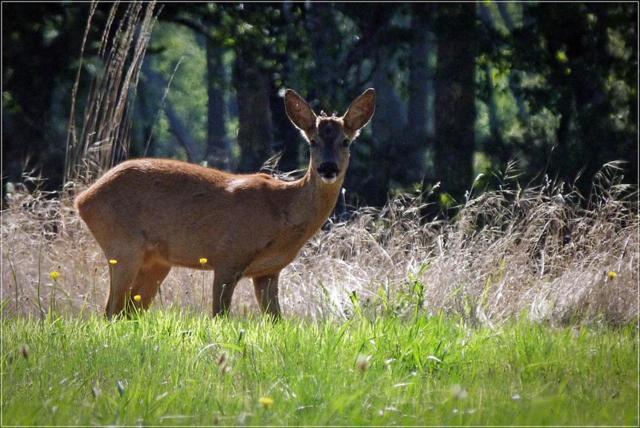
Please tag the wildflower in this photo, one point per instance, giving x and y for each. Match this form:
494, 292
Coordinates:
266, 402
54, 275
113, 262
137, 298
612, 275
203, 260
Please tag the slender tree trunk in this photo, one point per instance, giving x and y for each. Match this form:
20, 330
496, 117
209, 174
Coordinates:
255, 134
144, 143
318, 19
390, 140
218, 149
559, 161
419, 73
418, 99
455, 99
287, 139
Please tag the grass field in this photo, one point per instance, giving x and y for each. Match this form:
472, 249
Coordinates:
173, 368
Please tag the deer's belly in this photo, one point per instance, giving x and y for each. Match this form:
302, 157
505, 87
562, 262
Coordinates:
269, 264
274, 257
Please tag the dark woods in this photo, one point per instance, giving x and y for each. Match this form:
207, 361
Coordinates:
463, 89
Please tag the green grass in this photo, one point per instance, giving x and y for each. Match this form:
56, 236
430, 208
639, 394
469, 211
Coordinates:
421, 372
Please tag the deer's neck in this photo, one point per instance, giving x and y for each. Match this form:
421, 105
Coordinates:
316, 199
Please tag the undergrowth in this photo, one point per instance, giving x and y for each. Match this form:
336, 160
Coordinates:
544, 251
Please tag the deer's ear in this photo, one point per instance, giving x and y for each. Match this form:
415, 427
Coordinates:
299, 112
360, 111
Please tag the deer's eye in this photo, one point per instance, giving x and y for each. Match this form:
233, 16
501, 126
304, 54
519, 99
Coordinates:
312, 142
345, 142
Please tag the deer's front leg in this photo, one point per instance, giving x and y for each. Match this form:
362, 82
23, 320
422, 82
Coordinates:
266, 288
224, 282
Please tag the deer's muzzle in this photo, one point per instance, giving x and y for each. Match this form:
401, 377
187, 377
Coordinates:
328, 172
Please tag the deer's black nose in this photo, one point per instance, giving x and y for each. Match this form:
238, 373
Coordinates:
328, 169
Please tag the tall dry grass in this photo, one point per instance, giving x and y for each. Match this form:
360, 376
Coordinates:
540, 252
99, 135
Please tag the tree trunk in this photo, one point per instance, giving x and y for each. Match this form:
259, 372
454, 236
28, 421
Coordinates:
287, 139
455, 99
318, 18
419, 76
388, 149
218, 149
255, 135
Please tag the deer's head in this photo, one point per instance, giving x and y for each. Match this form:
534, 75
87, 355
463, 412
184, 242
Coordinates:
330, 137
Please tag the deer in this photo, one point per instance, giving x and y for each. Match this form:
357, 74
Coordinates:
149, 215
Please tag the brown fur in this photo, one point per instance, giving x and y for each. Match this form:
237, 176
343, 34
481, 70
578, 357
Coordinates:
152, 214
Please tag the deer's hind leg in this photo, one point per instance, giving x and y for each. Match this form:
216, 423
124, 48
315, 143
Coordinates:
147, 283
266, 289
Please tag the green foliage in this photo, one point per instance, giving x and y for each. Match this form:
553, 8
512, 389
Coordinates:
172, 368
188, 91
560, 61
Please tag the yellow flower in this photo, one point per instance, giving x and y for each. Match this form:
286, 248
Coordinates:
137, 298
203, 260
266, 402
113, 262
54, 275
612, 274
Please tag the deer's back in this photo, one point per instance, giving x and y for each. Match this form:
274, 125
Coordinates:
139, 187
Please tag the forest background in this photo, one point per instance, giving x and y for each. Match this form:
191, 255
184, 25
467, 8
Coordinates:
463, 89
